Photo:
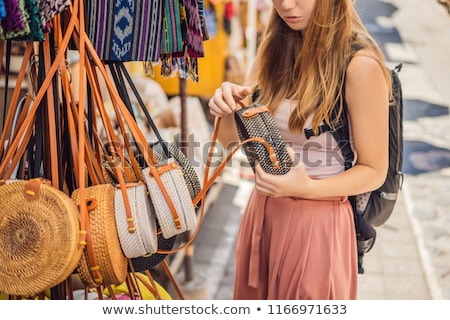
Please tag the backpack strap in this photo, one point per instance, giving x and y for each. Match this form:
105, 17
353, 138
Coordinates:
341, 133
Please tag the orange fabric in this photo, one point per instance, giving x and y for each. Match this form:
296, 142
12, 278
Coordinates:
296, 249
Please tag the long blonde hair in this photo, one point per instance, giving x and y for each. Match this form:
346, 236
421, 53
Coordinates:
310, 67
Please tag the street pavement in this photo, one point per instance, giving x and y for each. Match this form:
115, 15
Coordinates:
411, 257
424, 49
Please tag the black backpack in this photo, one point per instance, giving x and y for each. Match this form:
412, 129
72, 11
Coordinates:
373, 209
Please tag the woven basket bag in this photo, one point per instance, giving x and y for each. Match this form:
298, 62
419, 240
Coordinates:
141, 239
189, 174
151, 260
192, 183
111, 261
256, 121
39, 236
172, 178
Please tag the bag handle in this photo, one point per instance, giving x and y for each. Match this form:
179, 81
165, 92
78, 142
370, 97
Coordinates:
7, 70
42, 90
120, 65
51, 117
145, 149
132, 158
208, 183
15, 97
114, 141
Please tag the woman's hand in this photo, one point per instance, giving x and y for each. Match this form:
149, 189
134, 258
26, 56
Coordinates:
224, 99
295, 183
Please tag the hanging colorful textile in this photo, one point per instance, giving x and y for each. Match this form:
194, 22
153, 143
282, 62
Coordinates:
2, 10
50, 8
182, 40
124, 30
35, 21
15, 23
2, 16
172, 39
194, 41
201, 12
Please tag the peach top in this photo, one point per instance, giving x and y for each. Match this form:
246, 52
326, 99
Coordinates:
320, 154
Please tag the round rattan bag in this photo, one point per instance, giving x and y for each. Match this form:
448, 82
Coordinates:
110, 261
193, 183
39, 236
189, 173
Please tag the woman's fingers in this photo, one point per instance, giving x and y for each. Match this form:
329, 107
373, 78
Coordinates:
223, 102
262, 184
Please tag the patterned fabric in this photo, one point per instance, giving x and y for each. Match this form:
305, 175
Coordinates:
15, 23
34, 18
182, 40
2, 10
194, 41
49, 9
125, 30
201, 12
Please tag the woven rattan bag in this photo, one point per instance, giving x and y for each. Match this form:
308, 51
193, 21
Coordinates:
256, 121
189, 174
106, 264
178, 216
140, 238
39, 236
193, 184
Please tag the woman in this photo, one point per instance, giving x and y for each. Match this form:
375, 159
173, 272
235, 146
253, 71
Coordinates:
297, 238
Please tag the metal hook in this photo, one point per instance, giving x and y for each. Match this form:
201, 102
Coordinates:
34, 62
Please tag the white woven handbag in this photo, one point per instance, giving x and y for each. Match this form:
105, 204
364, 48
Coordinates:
174, 209
141, 238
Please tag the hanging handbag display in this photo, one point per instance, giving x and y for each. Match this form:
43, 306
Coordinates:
137, 213
167, 183
256, 121
133, 211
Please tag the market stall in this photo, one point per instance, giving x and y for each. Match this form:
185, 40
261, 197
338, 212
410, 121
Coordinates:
62, 147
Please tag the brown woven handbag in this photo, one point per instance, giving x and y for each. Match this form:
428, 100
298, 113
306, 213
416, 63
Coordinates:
103, 262
37, 221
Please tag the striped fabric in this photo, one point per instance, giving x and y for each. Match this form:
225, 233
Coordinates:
167, 31
172, 40
123, 30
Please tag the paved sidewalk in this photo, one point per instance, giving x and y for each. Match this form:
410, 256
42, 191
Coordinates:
393, 268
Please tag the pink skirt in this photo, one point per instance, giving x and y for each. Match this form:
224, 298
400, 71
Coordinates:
296, 249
